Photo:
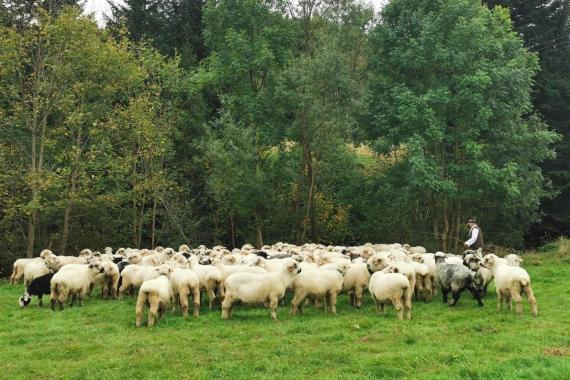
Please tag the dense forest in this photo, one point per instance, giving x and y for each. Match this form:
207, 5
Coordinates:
233, 121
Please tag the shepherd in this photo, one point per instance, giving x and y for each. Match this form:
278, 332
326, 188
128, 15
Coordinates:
475, 239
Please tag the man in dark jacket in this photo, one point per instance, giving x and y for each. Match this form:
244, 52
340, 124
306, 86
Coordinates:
475, 240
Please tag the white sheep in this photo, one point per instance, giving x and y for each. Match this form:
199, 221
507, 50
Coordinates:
73, 282
390, 288
210, 279
133, 277
19, 266
510, 282
157, 293
355, 283
513, 260
185, 283
324, 283
253, 288
33, 270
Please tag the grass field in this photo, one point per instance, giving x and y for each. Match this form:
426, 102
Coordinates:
99, 340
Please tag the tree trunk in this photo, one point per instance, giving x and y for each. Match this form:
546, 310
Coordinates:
258, 233
445, 227
153, 229
232, 230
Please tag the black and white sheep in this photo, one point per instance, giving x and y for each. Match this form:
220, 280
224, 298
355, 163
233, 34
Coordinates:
38, 287
455, 278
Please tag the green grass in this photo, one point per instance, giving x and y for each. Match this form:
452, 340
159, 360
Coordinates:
99, 340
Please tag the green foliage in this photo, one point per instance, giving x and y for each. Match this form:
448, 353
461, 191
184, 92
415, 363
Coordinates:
460, 114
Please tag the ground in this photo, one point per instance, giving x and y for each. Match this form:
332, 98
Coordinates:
99, 340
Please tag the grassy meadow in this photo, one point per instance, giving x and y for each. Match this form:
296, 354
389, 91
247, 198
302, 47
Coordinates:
99, 340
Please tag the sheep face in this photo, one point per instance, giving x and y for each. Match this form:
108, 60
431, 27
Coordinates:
183, 248
25, 300
96, 268
472, 262
439, 257
86, 252
46, 253
294, 269
489, 261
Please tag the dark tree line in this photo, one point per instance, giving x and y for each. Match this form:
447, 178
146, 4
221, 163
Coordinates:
233, 121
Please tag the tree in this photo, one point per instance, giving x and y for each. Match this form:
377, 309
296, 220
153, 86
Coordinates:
459, 116
545, 27
173, 26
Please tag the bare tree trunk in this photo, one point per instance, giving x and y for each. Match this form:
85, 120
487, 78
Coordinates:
153, 229
232, 230
445, 227
258, 233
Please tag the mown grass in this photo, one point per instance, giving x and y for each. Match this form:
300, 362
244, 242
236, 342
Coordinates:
99, 340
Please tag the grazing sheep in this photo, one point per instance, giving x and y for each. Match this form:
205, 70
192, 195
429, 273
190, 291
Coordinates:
73, 282
185, 283
157, 294
455, 278
20, 265
390, 288
37, 287
510, 282
255, 288
317, 284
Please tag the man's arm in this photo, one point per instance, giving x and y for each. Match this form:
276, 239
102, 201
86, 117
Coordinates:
473, 238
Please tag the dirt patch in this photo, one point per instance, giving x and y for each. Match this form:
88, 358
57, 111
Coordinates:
557, 351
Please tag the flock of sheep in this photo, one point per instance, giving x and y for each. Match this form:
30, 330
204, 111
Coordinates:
393, 274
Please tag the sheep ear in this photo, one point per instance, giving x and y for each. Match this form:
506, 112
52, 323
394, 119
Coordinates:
396, 270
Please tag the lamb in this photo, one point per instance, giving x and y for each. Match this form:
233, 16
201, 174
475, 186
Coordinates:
355, 283
258, 288
37, 287
73, 282
157, 293
109, 279
185, 283
325, 283
20, 265
33, 270
393, 288
455, 278
134, 275
56, 262
210, 279
509, 283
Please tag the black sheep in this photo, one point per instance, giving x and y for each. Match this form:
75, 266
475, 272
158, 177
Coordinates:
38, 287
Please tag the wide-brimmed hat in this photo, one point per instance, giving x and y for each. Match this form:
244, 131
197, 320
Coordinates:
472, 220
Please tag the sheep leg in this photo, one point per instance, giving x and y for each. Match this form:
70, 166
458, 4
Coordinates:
73, 299
516, 296
477, 295
531, 300
455, 296
298, 299
397, 302
184, 303
227, 307
273, 301
196, 301
358, 294
382, 308
40, 300
332, 302
499, 300
152, 312
428, 289
351, 301
211, 297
